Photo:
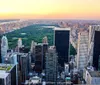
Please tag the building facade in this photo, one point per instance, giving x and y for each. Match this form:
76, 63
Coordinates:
38, 58
62, 43
92, 77
82, 50
11, 69
5, 78
4, 47
94, 45
51, 65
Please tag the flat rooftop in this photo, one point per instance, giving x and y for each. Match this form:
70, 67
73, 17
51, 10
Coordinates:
94, 73
5, 67
62, 28
22, 54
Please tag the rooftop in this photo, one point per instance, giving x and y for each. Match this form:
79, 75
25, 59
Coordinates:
23, 54
94, 73
62, 29
5, 67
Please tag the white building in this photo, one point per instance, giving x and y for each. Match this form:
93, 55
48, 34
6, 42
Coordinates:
45, 40
5, 78
33, 44
4, 47
92, 77
82, 50
19, 43
66, 69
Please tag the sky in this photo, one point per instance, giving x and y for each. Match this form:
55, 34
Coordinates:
50, 9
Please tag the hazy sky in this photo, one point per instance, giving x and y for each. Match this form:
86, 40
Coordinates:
66, 9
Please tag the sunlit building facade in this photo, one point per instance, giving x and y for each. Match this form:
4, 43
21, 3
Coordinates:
94, 45
82, 50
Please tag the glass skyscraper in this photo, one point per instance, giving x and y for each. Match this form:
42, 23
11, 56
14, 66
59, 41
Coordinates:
62, 42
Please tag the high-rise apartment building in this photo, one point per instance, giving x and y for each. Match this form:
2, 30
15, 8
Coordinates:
4, 47
82, 50
62, 43
51, 65
94, 45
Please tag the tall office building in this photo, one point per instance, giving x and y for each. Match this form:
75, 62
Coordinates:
62, 43
51, 65
19, 43
45, 40
82, 50
23, 60
11, 58
8, 68
94, 45
38, 57
45, 49
33, 44
32, 51
4, 47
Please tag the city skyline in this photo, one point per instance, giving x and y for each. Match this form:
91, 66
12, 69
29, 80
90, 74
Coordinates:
50, 9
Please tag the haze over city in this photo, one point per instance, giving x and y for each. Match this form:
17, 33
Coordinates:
49, 42
50, 9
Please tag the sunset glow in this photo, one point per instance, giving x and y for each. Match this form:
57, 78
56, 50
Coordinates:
50, 9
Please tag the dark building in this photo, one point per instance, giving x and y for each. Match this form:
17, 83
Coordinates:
38, 58
96, 50
13, 75
45, 49
62, 42
23, 50
23, 66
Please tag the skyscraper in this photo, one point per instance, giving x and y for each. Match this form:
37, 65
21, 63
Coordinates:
62, 43
11, 58
45, 49
38, 57
82, 50
19, 43
32, 51
51, 65
45, 40
94, 45
33, 44
4, 47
